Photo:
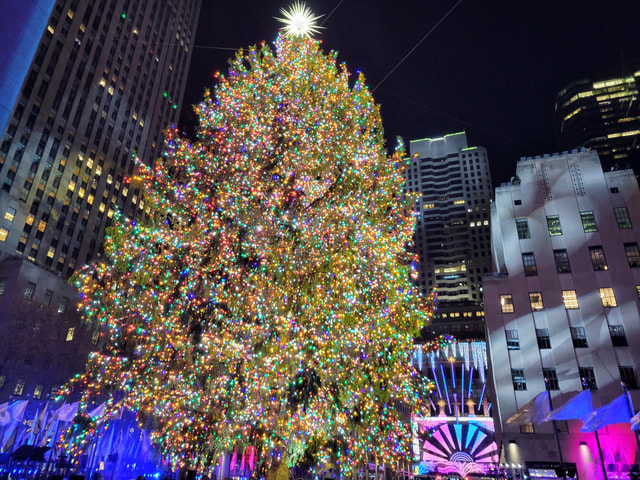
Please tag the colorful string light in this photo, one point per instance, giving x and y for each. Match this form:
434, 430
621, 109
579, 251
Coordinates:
268, 303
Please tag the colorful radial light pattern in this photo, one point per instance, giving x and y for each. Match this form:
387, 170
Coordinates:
268, 303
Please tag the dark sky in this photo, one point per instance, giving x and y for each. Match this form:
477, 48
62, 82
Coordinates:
491, 68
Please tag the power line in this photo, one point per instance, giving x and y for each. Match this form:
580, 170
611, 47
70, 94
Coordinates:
334, 9
417, 45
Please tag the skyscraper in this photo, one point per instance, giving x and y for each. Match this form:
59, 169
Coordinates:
602, 115
106, 78
562, 308
79, 105
452, 236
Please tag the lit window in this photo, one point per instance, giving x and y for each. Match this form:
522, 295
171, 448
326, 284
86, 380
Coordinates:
42, 225
535, 299
30, 219
529, 263
588, 221
518, 378
570, 299
622, 217
19, 387
458, 202
598, 261
427, 206
633, 254
10, 214
3, 380
553, 224
50, 29
506, 303
3, 285
579, 337
70, 333
28, 292
607, 297
618, 337
513, 341
37, 392
522, 224
527, 428
4, 233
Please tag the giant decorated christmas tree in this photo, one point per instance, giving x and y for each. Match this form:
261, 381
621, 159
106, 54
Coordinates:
268, 305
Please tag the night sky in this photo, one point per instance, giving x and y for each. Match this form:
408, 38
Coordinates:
491, 68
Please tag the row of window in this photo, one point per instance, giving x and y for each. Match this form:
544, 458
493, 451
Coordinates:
578, 337
588, 223
46, 299
18, 390
596, 253
569, 298
587, 376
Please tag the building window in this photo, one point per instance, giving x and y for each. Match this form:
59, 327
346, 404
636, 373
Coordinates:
519, 381
570, 299
10, 214
70, 333
535, 300
562, 426
608, 298
3, 380
506, 303
618, 337
19, 387
562, 261
522, 224
37, 392
579, 337
517, 202
622, 217
28, 292
542, 335
553, 224
598, 260
62, 306
633, 254
638, 291
37, 326
614, 190
3, 285
551, 378
529, 263
513, 342
588, 377
527, 428
628, 377
4, 233
46, 300
588, 221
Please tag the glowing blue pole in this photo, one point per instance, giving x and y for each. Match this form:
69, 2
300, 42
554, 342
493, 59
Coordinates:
435, 377
446, 389
482, 394
470, 382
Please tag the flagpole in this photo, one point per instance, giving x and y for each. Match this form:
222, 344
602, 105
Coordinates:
630, 407
555, 430
604, 470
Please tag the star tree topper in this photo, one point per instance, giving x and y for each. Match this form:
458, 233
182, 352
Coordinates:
299, 21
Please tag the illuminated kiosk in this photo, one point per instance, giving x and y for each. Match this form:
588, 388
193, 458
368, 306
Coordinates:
458, 436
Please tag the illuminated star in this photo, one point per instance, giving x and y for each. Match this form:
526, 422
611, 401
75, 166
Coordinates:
299, 21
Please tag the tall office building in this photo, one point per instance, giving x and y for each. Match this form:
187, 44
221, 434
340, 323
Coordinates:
564, 306
106, 78
604, 116
452, 236
96, 88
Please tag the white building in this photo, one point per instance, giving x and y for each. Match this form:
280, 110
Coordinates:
564, 305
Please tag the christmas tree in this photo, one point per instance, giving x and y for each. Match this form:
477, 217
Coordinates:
268, 305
